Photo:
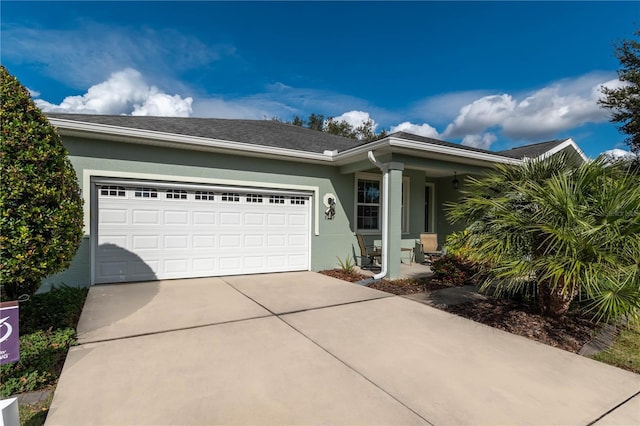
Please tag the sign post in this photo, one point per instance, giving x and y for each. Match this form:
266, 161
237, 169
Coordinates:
9, 332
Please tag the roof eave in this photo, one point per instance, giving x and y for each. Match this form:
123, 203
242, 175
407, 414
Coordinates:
172, 140
566, 144
402, 145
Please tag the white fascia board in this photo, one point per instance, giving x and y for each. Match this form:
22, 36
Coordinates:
567, 143
391, 142
152, 137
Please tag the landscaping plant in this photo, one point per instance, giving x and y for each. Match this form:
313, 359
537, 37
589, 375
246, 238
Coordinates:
47, 330
453, 270
40, 202
348, 265
573, 230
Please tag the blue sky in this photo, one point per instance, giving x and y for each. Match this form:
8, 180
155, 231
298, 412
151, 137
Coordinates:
489, 74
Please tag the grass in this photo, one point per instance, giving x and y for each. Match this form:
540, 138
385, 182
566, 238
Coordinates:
47, 330
35, 414
625, 351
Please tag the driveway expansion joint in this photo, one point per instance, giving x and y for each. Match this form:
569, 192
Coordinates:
172, 330
352, 368
613, 409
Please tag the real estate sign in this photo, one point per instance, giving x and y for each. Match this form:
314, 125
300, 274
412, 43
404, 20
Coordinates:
9, 332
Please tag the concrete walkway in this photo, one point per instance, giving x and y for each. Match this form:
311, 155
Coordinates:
304, 348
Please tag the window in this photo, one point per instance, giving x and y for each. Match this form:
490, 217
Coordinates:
369, 203
233, 197
428, 208
254, 198
298, 200
276, 199
368, 199
146, 193
176, 194
112, 191
204, 196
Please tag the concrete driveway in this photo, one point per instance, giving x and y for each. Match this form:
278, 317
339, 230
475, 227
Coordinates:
303, 348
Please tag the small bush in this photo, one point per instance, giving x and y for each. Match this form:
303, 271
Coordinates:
47, 330
41, 358
457, 244
453, 270
348, 266
58, 308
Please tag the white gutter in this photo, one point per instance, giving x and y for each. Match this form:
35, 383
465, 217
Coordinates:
156, 138
152, 137
385, 215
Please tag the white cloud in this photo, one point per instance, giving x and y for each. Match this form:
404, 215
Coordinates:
480, 141
619, 154
481, 114
163, 105
443, 108
559, 107
125, 92
356, 119
416, 129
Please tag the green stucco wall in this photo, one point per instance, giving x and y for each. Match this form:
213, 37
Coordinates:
336, 237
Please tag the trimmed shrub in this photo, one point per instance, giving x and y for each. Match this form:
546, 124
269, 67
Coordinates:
40, 202
453, 270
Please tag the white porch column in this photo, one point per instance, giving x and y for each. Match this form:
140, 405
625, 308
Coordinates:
394, 222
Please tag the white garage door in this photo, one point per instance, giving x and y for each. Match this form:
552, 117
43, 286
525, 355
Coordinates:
150, 232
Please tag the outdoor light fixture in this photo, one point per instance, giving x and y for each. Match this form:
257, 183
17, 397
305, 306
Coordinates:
455, 182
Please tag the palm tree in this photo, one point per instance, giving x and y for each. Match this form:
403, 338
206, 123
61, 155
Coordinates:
574, 231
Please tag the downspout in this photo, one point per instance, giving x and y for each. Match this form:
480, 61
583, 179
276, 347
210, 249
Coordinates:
385, 215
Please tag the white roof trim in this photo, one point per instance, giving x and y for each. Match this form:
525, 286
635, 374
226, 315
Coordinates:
567, 143
152, 137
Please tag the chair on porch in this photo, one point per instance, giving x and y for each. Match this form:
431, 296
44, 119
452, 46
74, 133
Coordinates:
370, 252
429, 246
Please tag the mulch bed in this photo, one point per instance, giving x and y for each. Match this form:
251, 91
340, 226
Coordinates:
567, 332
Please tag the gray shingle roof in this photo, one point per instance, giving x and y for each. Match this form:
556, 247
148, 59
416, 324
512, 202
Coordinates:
417, 138
531, 151
274, 134
256, 132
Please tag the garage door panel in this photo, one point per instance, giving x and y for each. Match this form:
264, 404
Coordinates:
176, 218
113, 216
145, 242
182, 233
204, 218
230, 241
254, 241
297, 240
274, 241
172, 242
256, 219
176, 266
145, 217
108, 243
276, 261
276, 219
297, 219
230, 264
228, 218
205, 265
204, 241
